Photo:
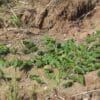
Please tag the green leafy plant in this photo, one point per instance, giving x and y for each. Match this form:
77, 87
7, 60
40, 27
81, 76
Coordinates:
37, 79
77, 78
70, 57
68, 84
27, 64
4, 63
16, 63
38, 61
3, 50
97, 33
40, 53
49, 44
79, 70
49, 73
90, 39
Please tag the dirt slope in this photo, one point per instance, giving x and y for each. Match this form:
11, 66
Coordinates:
71, 16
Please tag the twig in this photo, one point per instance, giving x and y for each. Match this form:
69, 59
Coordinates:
23, 30
97, 90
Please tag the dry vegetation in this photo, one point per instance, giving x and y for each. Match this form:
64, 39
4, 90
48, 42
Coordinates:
49, 49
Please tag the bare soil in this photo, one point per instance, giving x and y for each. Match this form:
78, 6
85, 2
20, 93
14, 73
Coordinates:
61, 19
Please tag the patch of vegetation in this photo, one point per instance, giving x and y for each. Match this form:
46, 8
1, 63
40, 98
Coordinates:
3, 50
68, 84
38, 62
15, 19
90, 39
26, 65
2, 74
97, 34
77, 78
13, 50
37, 79
4, 63
71, 60
49, 73
16, 63
29, 47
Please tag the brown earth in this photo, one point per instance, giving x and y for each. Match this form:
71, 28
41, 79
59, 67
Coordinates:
67, 18
61, 19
